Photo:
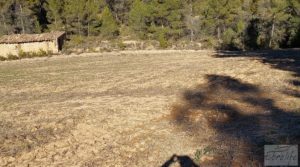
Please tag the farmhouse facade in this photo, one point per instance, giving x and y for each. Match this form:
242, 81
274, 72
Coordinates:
13, 44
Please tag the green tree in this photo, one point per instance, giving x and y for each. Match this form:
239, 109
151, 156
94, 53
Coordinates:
272, 15
222, 20
55, 14
5, 27
192, 18
168, 15
120, 9
294, 33
22, 17
138, 18
74, 12
93, 18
109, 27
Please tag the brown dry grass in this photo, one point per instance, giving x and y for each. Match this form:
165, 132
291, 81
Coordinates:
113, 109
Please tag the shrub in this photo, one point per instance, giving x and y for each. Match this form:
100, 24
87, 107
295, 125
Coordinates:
91, 49
228, 36
107, 49
40, 53
109, 28
22, 54
12, 57
210, 43
32, 54
77, 40
121, 45
163, 42
2, 58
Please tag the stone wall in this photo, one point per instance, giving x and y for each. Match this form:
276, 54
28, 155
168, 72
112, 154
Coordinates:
14, 49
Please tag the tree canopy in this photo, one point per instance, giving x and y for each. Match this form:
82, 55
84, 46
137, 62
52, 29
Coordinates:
230, 24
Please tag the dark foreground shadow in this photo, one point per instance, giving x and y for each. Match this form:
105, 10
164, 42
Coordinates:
183, 161
287, 60
244, 118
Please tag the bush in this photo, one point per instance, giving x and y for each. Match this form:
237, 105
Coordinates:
40, 53
163, 42
210, 43
91, 49
2, 58
77, 40
228, 36
22, 54
121, 45
109, 28
12, 57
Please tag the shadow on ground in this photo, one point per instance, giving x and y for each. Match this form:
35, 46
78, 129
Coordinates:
287, 60
183, 161
241, 116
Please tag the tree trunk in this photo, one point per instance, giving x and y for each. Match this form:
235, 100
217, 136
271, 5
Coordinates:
272, 34
219, 34
55, 22
88, 29
22, 21
192, 35
79, 26
192, 23
4, 23
88, 19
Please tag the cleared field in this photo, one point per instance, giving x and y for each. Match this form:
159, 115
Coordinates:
140, 108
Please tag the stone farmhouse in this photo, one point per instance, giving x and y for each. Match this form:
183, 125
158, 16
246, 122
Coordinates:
13, 44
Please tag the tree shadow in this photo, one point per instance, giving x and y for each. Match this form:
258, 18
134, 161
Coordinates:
243, 117
286, 60
183, 161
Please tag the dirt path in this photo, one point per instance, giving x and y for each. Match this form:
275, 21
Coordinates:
110, 109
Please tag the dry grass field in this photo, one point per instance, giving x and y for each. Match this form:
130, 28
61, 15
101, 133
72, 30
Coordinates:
140, 108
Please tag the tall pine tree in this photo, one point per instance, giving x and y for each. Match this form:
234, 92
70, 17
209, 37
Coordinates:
109, 27
55, 13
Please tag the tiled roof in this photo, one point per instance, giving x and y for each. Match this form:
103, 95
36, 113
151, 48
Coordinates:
27, 38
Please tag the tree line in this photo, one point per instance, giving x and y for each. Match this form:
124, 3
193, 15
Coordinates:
230, 24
